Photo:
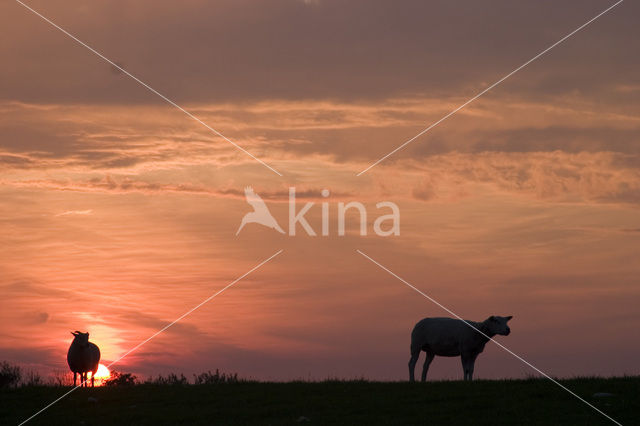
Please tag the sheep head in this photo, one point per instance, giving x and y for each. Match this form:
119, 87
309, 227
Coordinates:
498, 325
80, 338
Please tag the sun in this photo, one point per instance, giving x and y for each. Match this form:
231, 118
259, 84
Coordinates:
103, 372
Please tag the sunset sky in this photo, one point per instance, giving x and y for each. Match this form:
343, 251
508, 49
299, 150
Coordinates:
118, 212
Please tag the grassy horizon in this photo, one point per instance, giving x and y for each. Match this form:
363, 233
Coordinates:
487, 402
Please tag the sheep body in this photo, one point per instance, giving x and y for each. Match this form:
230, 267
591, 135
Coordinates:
83, 357
453, 337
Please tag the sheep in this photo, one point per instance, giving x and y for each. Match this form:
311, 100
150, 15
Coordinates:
82, 357
453, 337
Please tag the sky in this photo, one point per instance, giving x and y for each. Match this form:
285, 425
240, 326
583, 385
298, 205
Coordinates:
118, 212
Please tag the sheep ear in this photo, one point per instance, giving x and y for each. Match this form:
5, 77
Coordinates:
509, 317
74, 333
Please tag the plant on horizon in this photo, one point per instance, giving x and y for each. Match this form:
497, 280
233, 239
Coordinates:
121, 379
169, 379
32, 378
61, 378
209, 378
10, 375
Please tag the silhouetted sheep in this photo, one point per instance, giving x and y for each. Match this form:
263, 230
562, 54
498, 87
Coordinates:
83, 357
452, 337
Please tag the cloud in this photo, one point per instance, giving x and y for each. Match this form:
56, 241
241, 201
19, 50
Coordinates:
37, 318
39, 357
539, 178
565, 152
123, 185
554, 176
361, 49
137, 139
75, 212
557, 176
426, 190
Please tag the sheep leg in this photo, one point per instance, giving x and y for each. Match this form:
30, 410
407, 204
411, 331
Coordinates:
425, 367
472, 363
93, 373
74, 378
468, 362
465, 364
415, 354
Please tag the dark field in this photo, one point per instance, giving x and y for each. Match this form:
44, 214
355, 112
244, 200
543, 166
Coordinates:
521, 402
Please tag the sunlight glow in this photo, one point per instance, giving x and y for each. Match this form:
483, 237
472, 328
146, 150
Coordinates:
103, 372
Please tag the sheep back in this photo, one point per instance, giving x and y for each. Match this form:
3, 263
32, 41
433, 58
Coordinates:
82, 359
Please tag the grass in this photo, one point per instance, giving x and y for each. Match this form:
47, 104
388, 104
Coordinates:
487, 402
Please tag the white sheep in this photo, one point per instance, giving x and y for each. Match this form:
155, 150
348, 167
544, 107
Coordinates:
82, 357
452, 337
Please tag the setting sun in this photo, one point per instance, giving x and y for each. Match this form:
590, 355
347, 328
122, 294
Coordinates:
103, 372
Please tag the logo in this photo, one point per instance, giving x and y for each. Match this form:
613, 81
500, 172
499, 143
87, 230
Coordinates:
260, 213
384, 225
